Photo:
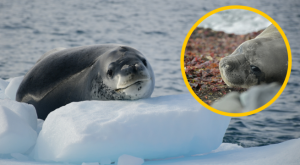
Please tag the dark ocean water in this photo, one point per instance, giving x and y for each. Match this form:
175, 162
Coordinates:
29, 28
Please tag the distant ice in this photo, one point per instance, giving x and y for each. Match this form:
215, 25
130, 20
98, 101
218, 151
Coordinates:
236, 21
13, 86
227, 147
159, 127
95, 163
127, 159
105, 161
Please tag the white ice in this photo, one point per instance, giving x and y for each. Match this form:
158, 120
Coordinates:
18, 121
39, 127
253, 98
227, 154
19, 157
25, 111
16, 135
3, 85
276, 154
128, 159
159, 127
258, 96
11, 89
95, 163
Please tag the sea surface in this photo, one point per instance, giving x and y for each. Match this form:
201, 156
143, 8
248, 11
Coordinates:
29, 28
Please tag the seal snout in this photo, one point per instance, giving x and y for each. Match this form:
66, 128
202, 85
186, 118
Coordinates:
227, 65
131, 73
132, 68
229, 70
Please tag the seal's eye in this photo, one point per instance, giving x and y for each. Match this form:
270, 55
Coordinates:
144, 62
255, 69
109, 72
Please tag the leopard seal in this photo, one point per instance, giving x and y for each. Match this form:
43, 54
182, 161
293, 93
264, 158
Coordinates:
263, 59
97, 72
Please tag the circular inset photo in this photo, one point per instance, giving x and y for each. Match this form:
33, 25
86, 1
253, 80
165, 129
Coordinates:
236, 61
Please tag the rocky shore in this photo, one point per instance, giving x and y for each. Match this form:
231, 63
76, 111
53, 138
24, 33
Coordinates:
203, 53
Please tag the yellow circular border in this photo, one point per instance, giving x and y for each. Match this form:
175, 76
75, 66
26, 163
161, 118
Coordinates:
286, 44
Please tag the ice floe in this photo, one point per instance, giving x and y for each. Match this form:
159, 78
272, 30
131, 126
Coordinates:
159, 127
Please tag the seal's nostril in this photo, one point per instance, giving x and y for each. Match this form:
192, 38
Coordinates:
223, 63
229, 66
110, 73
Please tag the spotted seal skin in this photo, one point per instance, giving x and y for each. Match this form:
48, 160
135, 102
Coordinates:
260, 60
98, 72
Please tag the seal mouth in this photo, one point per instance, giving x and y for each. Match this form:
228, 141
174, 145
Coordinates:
135, 83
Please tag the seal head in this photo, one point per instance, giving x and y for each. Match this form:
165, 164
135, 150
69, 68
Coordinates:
125, 74
260, 60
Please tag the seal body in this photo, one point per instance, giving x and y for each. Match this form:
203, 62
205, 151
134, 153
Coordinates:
260, 60
98, 72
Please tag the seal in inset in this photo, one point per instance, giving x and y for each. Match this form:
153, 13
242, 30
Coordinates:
260, 60
98, 72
